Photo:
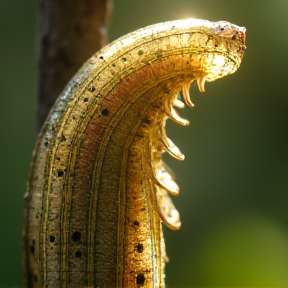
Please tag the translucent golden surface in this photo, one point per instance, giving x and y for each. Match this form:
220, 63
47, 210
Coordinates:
97, 191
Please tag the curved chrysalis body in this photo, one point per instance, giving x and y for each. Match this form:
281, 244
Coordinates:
98, 189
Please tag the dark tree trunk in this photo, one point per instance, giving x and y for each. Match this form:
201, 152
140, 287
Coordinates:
70, 31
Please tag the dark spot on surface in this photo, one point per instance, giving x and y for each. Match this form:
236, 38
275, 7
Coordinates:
105, 112
139, 248
187, 62
86, 99
101, 57
63, 138
78, 254
147, 121
52, 239
140, 279
46, 144
134, 198
166, 90
140, 136
113, 65
215, 45
58, 158
143, 209
32, 249
60, 173
124, 59
36, 278
76, 236
92, 89
136, 223
209, 39
140, 52
234, 37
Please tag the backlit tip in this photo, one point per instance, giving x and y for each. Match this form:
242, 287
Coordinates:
186, 94
165, 179
201, 83
166, 209
178, 103
173, 150
173, 114
170, 147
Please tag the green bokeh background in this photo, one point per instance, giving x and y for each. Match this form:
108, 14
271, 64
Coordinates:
234, 187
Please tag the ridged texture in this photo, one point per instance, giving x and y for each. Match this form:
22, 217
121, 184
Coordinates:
98, 189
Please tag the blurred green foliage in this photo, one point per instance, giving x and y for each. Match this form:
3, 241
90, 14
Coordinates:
234, 196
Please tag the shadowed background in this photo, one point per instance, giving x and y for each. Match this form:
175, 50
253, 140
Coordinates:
234, 186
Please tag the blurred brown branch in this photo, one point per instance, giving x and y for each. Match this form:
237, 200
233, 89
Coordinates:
70, 31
